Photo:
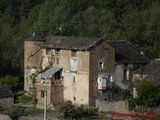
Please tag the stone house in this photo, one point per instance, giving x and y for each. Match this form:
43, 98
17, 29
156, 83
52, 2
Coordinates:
127, 60
149, 72
6, 96
77, 69
74, 64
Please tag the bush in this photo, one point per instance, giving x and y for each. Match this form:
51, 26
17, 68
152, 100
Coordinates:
15, 112
132, 104
72, 111
147, 94
11, 81
25, 98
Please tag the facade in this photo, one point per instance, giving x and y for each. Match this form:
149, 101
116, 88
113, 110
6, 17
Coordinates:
74, 64
127, 60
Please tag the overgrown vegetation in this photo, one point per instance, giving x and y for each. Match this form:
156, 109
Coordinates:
26, 98
120, 94
11, 81
71, 111
15, 112
148, 94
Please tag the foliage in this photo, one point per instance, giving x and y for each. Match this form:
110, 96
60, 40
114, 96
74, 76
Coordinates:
131, 104
71, 111
12, 82
25, 98
147, 94
15, 112
120, 94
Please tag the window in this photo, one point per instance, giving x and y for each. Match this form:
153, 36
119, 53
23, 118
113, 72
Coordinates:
110, 81
42, 94
73, 64
74, 98
57, 75
126, 74
57, 60
57, 52
73, 79
100, 65
73, 53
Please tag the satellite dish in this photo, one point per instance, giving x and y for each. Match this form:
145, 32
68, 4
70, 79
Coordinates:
33, 71
99, 79
42, 82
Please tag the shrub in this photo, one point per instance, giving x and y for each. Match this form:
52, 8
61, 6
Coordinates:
71, 111
15, 112
25, 98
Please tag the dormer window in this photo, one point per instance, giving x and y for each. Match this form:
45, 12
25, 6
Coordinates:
73, 53
100, 65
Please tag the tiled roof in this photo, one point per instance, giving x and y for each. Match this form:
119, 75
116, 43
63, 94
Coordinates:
72, 43
126, 53
5, 91
152, 70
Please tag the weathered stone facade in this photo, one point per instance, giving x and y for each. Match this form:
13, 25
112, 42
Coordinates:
105, 53
32, 60
54, 93
79, 86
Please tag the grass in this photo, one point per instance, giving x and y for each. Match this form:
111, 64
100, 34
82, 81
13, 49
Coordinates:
15, 112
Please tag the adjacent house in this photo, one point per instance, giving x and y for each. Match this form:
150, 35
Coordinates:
127, 60
6, 96
148, 72
77, 69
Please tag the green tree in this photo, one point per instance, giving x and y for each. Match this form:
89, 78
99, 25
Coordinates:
147, 94
12, 82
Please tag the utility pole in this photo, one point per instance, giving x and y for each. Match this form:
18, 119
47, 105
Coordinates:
45, 105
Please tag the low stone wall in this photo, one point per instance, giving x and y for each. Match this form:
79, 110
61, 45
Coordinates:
107, 106
36, 118
6, 102
4, 117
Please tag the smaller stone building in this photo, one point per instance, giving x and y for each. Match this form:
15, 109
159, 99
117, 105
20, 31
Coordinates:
149, 72
6, 96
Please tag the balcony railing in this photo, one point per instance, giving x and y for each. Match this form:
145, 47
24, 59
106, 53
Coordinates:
49, 82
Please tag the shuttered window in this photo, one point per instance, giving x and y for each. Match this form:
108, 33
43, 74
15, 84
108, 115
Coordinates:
74, 64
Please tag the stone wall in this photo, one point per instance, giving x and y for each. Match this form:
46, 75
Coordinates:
32, 58
4, 117
106, 106
7, 102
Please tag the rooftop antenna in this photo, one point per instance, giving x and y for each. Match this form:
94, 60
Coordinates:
33, 34
60, 28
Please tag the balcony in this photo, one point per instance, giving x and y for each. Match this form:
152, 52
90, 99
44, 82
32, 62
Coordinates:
49, 82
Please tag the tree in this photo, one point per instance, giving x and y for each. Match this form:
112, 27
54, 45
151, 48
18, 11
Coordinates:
12, 82
147, 94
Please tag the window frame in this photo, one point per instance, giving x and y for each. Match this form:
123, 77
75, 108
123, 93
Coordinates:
100, 66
